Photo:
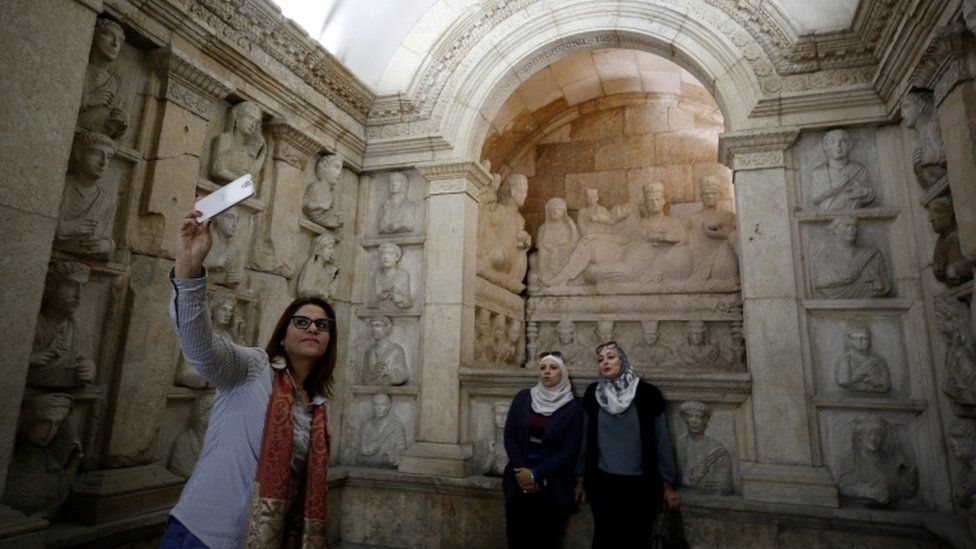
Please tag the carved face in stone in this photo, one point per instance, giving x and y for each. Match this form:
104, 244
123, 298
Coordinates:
859, 340
389, 255
501, 414
566, 333
649, 332
697, 333
499, 328
328, 168
969, 14
398, 183
555, 209
604, 331
514, 331
64, 296
91, 160
710, 192
381, 405
845, 228
962, 440
654, 198
41, 418
608, 359
379, 328
108, 40
549, 373
873, 438
247, 119
696, 420
325, 248
592, 197
226, 223
941, 215
837, 145
222, 311
483, 321
519, 187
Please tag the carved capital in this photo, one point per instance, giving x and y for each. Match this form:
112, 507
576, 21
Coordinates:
458, 177
756, 149
948, 61
187, 84
292, 145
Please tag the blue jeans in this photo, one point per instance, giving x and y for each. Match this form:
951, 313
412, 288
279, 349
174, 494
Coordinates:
176, 536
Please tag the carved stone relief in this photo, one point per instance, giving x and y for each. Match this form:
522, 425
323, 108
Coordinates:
482, 330
859, 369
241, 148
843, 270
712, 236
928, 159
228, 322
382, 437
698, 352
319, 273
948, 264
398, 214
102, 108
57, 360
555, 240
962, 443
385, 362
87, 213
952, 318
503, 243
840, 183
46, 457
496, 458
321, 201
575, 354
498, 338
225, 262
391, 283
703, 462
649, 351
186, 448
604, 331
969, 14
874, 470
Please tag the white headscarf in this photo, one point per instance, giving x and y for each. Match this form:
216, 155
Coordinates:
615, 395
546, 401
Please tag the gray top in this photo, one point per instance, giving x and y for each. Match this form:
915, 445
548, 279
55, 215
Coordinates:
216, 499
620, 445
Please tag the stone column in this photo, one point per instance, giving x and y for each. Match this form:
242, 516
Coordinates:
786, 469
448, 316
44, 54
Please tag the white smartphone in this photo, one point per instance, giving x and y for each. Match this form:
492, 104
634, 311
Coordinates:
224, 198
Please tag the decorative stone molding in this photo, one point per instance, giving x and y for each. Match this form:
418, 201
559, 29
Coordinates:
292, 145
945, 64
755, 150
247, 24
186, 83
458, 177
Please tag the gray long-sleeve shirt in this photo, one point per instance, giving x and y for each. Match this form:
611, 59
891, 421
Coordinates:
620, 445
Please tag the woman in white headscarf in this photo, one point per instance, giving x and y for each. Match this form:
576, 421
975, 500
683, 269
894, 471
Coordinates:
627, 464
542, 437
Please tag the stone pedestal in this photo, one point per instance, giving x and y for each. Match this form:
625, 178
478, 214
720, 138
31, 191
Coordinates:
113, 494
448, 317
786, 468
42, 85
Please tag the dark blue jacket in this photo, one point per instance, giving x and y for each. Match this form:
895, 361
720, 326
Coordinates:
560, 447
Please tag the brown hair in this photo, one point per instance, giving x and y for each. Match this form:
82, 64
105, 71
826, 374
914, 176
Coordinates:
319, 380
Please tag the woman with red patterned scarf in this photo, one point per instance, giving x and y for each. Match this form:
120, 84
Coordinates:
261, 478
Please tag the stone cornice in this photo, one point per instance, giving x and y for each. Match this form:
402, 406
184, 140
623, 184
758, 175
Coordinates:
948, 61
250, 24
455, 177
292, 144
759, 149
186, 83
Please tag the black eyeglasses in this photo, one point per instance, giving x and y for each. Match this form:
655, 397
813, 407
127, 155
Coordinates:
544, 354
303, 322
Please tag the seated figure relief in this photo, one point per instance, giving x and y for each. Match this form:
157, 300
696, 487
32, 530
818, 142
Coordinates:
712, 234
225, 262
859, 369
319, 274
575, 354
382, 438
648, 351
658, 252
186, 448
948, 264
46, 456
703, 462
57, 359
595, 218
698, 352
496, 457
555, 239
321, 200
240, 149
398, 214
391, 285
101, 101
503, 242
87, 213
962, 443
844, 270
870, 472
953, 320
840, 183
928, 159
385, 362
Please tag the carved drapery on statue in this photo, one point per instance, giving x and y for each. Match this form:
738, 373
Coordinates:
503, 243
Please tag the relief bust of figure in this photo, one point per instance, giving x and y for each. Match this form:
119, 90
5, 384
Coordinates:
87, 211
948, 264
225, 262
398, 214
928, 159
385, 362
703, 462
859, 369
321, 200
383, 437
319, 274
712, 234
871, 473
240, 149
57, 361
391, 284
101, 101
844, 270
840, 183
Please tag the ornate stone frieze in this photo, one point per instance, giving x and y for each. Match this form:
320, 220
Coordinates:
756, 149
945, 62
258, 23
469, 177
186, 83
291, 144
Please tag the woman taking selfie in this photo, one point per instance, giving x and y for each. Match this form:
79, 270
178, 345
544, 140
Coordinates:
627, 465
272, 399
542, 438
